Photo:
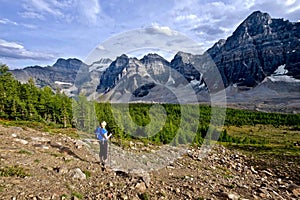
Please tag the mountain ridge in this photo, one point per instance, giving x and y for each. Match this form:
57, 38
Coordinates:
254, 51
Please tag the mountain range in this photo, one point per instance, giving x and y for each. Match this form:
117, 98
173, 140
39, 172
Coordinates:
258, 67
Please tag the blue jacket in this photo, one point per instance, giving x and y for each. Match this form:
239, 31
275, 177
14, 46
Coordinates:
100, 132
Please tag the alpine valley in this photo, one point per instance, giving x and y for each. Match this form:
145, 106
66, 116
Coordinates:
258, 68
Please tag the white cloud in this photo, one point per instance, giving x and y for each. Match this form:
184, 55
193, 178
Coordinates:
82, 11
18, 51
156, 29
47, 7
31, 15
41, 9
6, 44
294, 8
90, 10
7, 21
101, 47
211, 20
186, 17
288, 2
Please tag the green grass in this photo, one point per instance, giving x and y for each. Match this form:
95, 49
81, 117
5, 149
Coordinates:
10, 171
57, 155
87, 173
268, 140
40, 126
23, 151
1, 188
144, 196
78, 195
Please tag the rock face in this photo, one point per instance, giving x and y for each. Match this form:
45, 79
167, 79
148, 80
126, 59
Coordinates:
66, 74
256, 48
114, 73
62, 71
138, 80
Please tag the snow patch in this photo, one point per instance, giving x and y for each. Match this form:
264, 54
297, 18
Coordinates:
62, 83
98, 67
283, 78
281, 70
280, 75
195, 82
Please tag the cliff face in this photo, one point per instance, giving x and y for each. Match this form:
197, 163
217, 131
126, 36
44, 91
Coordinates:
255, 50
63, 71
69, 75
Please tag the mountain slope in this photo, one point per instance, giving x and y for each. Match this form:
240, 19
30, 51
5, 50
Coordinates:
256, 49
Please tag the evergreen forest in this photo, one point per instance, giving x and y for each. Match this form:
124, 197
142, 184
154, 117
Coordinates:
159, 123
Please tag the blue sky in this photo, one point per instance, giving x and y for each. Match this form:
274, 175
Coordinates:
37, 32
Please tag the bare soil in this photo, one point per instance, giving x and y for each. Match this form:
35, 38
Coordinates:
39, 165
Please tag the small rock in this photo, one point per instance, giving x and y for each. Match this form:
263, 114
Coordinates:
279, 180
62, 170
177, 190
78, 174
124, 197
14, 135
233, 196
16, 128
141, 187
295, 189
268, 173
79, 144
170, 167
296, 192
262, 195
253, 170
21, 141
146, 178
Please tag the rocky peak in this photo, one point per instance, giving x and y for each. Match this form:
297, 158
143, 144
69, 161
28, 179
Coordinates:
102, 60
256, 48
182, 63
121, 61
183, 56
100, 65
155, 64
152, 57
216, 48
113, 73
257, 23
71, 63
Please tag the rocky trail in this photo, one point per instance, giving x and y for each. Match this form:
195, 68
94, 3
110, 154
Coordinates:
38, 165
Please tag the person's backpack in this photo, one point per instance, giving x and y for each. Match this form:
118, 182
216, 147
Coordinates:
98, 132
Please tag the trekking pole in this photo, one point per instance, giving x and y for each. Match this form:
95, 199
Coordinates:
109, 153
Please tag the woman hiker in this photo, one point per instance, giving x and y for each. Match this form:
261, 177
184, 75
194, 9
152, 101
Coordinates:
103, 137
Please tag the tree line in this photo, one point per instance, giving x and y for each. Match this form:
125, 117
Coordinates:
29, 103
161, 123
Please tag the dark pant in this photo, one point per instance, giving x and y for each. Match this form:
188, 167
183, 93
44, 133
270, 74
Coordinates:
103, 150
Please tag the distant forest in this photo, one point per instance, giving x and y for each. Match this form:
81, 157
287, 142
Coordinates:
29, 103
26, 102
